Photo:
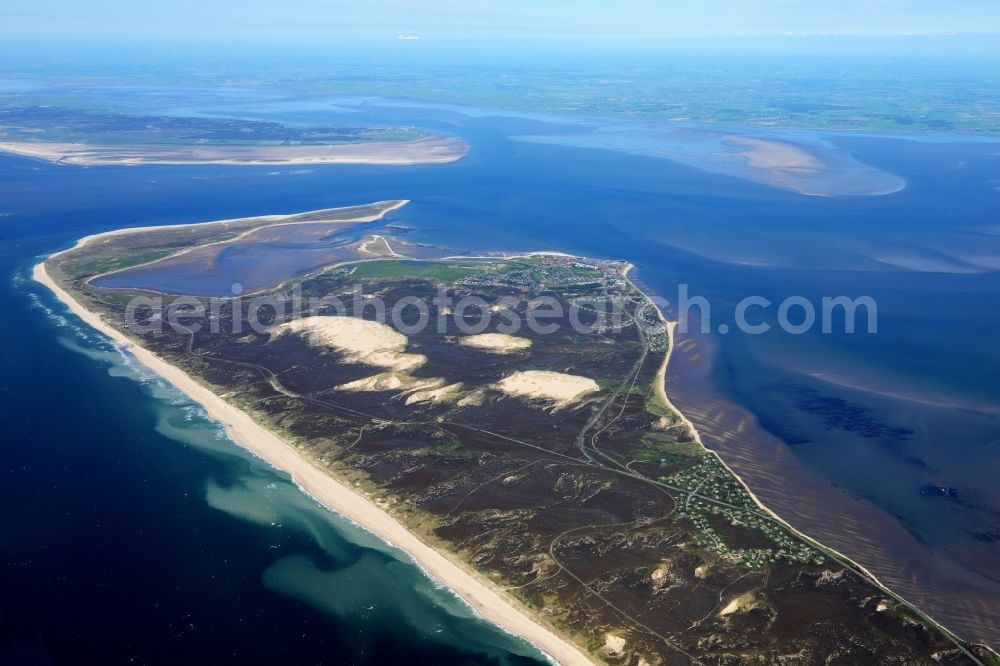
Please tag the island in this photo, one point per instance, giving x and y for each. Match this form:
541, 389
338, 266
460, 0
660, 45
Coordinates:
501, 418
71, 136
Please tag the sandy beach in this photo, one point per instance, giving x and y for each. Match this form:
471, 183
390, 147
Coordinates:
661, 378
482, 596
429, 150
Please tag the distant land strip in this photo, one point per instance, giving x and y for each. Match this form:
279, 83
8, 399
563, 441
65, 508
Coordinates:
428, 150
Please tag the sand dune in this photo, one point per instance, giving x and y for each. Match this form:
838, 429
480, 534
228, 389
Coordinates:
360, 340
742, 603
439, 393
386, 381
500, 343
560, 388
413, 389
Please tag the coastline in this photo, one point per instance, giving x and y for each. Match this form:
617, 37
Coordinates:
661, 374
837, 556
485, 601
661, 380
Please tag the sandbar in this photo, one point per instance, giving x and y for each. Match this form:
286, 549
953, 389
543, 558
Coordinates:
776, 155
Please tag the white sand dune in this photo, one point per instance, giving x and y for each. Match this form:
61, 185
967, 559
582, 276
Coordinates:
742, 603
500, 343
440, 393
386, 381
360, 340
413, 389
560, 388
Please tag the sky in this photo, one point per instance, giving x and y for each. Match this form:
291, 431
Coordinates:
490, 19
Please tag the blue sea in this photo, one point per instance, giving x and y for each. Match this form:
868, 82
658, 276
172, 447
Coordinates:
140, 532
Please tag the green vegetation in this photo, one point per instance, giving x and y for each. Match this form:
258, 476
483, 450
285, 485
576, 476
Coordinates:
446, 272
745, 89
61, 124
379, 246
654, 405
653, 454
106, 264
662, 444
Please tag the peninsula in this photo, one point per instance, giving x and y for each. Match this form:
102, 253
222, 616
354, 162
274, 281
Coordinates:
503, 420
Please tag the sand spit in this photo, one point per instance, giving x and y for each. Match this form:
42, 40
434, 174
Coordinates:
379, 246
500, 343
321, 216
560, 388
428, 150
490, 603
360, 340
